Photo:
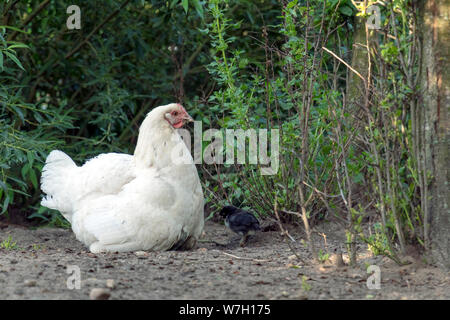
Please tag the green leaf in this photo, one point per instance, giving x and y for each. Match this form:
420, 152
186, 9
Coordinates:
18, 45
30, 158
3, 39
1, 61
243, 63
25, 170
346, 10
33, 178
14, 58
19, 112
15, 29
185, 4
198, 7
5, 204
292, 4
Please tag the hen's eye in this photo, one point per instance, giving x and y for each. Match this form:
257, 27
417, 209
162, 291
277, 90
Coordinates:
175, 113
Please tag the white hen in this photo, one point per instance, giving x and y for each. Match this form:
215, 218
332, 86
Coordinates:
118, 202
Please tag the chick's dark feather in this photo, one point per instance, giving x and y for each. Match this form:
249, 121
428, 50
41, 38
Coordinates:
240, 221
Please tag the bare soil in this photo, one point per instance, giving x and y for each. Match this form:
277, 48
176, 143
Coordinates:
217, 269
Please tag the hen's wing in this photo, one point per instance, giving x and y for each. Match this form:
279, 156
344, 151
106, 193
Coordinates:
104, 174
66, 185
141, 216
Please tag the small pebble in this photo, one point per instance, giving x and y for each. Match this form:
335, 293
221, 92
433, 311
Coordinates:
30, 283
337, 260
99, 294
141, 253
19, 292
301, 296
110, 283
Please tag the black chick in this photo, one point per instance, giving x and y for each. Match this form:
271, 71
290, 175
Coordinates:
240, 221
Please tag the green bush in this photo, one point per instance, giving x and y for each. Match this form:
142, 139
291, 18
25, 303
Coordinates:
233, 64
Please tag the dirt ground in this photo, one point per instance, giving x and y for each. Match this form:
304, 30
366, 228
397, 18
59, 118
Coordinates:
266, 269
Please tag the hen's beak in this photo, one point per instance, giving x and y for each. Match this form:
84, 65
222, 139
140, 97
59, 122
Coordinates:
188, 118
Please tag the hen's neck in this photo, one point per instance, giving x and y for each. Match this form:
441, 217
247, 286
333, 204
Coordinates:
155, 145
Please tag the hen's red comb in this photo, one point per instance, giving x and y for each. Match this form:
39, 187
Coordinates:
182, 108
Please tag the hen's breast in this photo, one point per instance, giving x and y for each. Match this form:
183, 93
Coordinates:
154, 202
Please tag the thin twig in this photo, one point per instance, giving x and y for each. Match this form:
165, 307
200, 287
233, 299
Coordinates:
346, 64
285, 233
243, 258
30, 18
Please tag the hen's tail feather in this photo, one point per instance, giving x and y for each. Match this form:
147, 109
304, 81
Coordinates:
55, 182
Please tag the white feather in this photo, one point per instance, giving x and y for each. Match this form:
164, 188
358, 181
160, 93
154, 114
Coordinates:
119, 202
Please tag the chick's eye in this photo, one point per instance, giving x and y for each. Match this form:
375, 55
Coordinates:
175, 113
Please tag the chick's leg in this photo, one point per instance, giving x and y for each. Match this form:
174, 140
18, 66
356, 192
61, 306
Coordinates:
244, 240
